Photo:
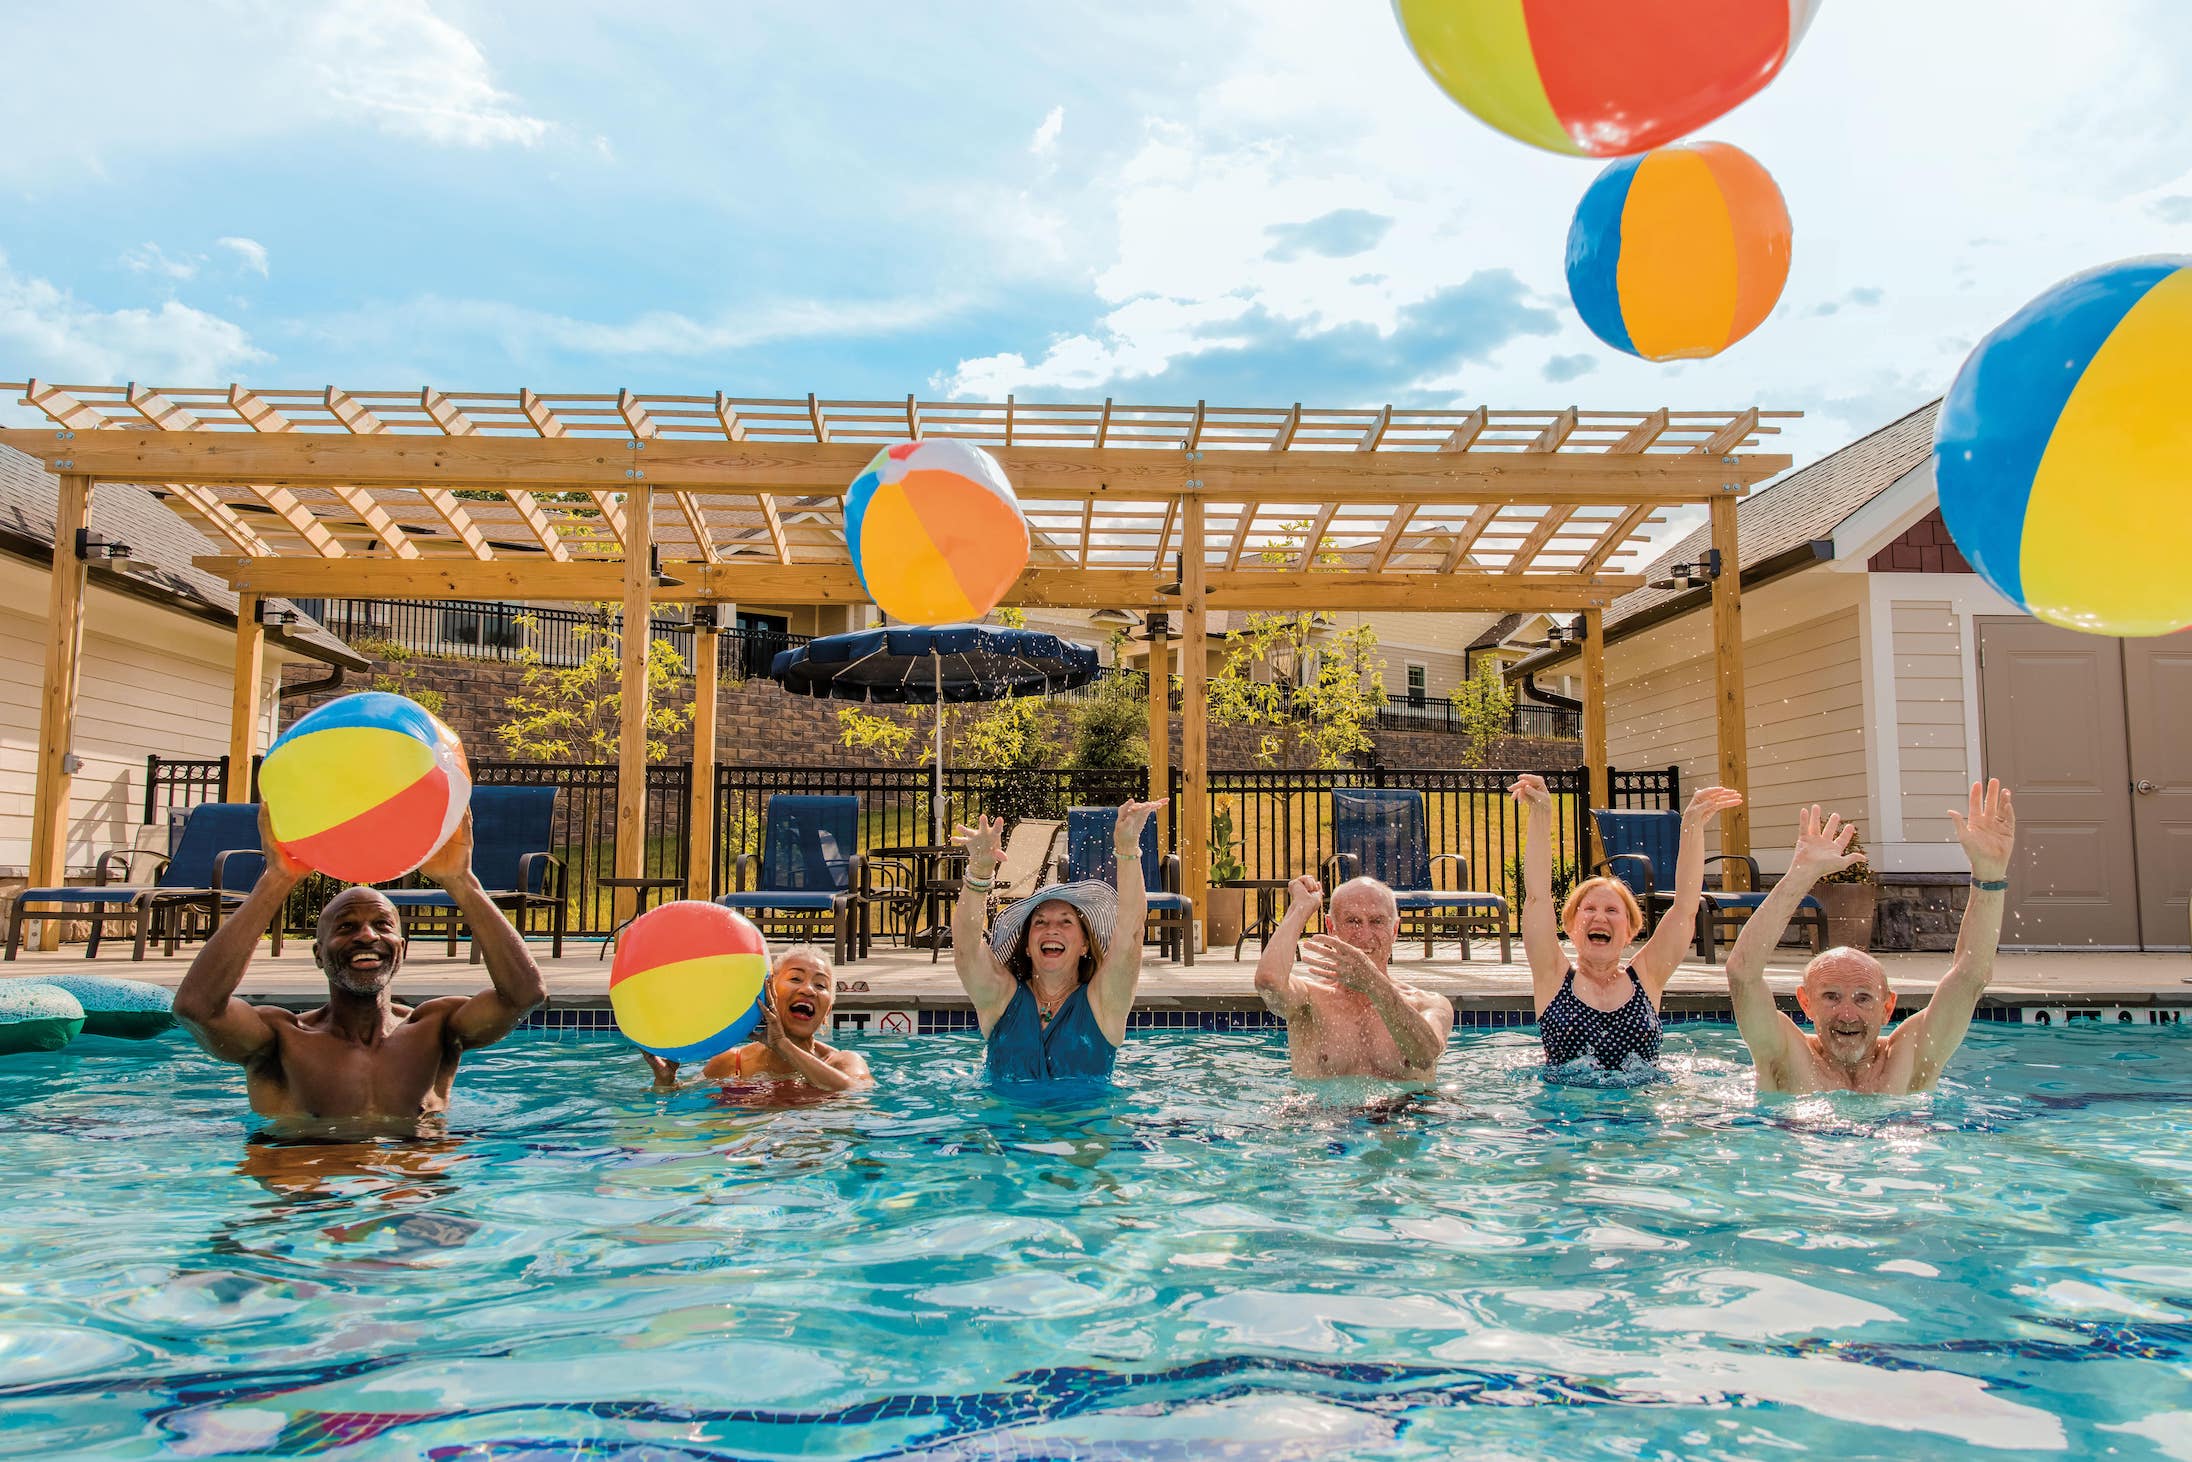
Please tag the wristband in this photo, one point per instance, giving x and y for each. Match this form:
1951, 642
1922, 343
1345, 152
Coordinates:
1990, 885
983, 884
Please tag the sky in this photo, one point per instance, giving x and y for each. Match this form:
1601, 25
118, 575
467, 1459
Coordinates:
1252, 203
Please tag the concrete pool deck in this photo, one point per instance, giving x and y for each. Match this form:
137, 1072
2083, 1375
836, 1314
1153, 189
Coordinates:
904, 980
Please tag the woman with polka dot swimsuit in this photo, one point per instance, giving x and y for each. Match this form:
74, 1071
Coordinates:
1589, 1003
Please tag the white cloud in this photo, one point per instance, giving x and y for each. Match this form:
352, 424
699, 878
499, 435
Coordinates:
150, 258
414, 74
250, 254
1046, 136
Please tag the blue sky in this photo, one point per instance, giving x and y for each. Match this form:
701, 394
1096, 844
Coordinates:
1254, 203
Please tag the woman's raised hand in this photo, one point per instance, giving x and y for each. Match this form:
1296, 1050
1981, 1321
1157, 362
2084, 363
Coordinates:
1131, 817
1708, 803
984, 842
1530, 790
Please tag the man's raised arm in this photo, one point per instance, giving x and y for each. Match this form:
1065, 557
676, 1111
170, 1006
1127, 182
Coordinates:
517, 986
1275, 969
206, 1002
1988, 832
1822, 847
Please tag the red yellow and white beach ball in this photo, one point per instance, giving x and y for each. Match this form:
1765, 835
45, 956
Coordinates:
935, 531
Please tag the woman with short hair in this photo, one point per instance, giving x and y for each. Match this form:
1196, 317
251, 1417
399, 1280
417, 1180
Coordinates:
1589, 1001
787, 1046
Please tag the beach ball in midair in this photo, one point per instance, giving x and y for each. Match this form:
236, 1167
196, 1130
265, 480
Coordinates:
1602, 78
366, 787
2063, 452
935, 532
687, 980
1679, 253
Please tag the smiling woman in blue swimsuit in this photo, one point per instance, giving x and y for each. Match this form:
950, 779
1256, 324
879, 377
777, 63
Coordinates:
1593, 1004
1053, 981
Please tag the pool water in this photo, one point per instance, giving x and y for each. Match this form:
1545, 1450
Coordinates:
1205, 1263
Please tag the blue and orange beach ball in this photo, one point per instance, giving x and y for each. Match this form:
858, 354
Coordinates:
1678, 254
1602, 78
2063, 452
366, 787
935, 531
688, 979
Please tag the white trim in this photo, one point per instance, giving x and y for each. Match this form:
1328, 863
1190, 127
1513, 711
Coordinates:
1886, 518
1883, 747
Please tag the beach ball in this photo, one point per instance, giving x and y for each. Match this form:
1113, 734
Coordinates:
2063, 452
935, 532
687, 980
366, 787
1602, 78
1679, 253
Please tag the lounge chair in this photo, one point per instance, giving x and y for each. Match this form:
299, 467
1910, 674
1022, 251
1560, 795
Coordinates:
1089, 854
1025, 864
513, 829
809, 867
1641, 849
1382, 833
202, 875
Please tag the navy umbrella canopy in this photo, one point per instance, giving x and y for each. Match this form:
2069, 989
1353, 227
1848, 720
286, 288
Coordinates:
934, 664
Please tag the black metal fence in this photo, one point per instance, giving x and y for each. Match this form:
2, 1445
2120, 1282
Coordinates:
1437, 713
485, 630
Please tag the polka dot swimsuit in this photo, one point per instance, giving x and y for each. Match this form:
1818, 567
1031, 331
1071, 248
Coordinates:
1569, 1028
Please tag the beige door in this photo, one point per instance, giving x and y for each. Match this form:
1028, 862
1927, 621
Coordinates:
2158, 710
2052, 707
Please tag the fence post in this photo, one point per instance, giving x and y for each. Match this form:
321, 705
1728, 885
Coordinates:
152, 777
1584, 825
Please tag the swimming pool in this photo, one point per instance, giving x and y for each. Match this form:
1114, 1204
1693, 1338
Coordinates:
1205, 1263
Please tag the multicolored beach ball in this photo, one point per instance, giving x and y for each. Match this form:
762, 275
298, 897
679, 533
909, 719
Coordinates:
2063, 452
366, 787
687, 980
1679, 253
1602, 78
935, 532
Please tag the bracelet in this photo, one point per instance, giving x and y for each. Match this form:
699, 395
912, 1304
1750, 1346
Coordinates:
981, 885
1990, 885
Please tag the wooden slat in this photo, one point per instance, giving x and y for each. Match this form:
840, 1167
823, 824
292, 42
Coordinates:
1164, 536
1390, 538
775, 524
1103, 422
1641, 436
61, 406
1284, 438
1195, 428
644, 429
454, 422
913, 419
814, 414
1429, 593
1376, 433
74, 416
364, 424
1609, 542
1317, 525
1462, 437
1466, 537
1731, 436
262, 416
169, 417
607, 504
1088, 522
1557, 431
726, 416
1537, 537
1241, 527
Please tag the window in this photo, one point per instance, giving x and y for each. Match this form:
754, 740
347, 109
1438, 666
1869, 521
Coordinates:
1417, 675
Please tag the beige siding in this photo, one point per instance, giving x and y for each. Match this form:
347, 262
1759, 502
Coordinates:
1804, 714
1929, 717
153, 682
1434, 641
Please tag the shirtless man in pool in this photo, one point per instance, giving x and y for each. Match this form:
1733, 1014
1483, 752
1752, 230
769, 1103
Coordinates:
1345, 1014
361, 1061
1845, 991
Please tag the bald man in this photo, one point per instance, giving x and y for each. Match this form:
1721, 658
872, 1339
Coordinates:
360, 1062
1345, 1014
1845, 991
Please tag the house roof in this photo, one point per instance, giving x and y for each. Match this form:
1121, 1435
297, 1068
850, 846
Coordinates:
1774, 524
161, 571
1497, 633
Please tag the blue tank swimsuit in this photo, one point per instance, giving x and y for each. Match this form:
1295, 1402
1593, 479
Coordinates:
1569, 1027
1022, 1048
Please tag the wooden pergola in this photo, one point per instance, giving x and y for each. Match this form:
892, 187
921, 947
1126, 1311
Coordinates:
649, 499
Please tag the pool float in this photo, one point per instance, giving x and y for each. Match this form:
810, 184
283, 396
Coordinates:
2063, 452
34, 1016
687, 980
129, 1010
935, 531
366, 787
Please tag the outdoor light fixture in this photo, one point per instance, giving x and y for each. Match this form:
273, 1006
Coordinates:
654, 568
1692, 575
265, 613
90, 545
1557, 635
1157, 626
707, 616
1179, 576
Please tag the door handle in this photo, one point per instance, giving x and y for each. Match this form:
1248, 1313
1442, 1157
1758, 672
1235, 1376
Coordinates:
2145, 788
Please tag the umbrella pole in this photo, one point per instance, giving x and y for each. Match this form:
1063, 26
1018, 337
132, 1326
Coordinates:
936, 762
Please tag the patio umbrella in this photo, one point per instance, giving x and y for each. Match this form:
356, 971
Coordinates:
938, 665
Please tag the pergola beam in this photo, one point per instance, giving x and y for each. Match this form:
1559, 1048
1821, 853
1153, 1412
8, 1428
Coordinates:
166, 416
263, 416
545, 421
57, 698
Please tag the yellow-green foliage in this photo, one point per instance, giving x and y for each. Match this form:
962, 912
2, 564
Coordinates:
575, 713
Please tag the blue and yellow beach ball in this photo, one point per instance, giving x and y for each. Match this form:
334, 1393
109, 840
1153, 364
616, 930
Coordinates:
2063, 452
687, 980
1679, 253
366, 787
935, 531
1601, 78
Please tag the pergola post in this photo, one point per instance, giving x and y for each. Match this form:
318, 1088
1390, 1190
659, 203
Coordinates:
1160, 716
57, 700
638, 628
1194, 817
243, 706
1727, 625
700, 819
1596, 773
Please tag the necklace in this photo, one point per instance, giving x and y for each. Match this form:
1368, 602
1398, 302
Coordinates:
1045, 1010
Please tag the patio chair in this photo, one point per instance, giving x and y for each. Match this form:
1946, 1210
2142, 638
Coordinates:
1641, 849
1025, 864
1382, 833
513, 829
202, 875
809, 869
1089, 854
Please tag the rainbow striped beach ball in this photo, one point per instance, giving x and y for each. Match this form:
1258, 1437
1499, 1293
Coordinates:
935, 532
1678, 254
1602, 78
366, 787
2063, 452
687, 980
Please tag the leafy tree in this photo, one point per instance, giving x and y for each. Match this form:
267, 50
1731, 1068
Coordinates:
1007, 735
1110, 726
400, 678
1485, 709
575, 713
1331, 715
884, 736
